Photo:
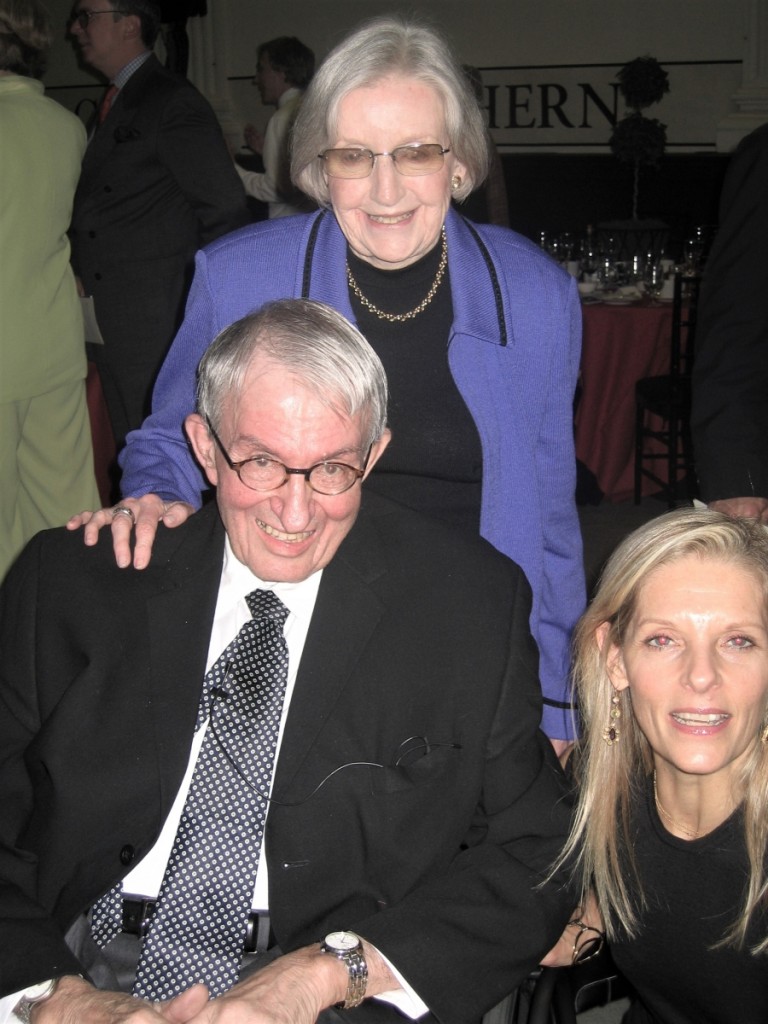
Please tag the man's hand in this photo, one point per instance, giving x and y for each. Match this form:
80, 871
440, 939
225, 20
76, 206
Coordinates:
78, 1002
743, 508
294, 989
144, 514
254, 140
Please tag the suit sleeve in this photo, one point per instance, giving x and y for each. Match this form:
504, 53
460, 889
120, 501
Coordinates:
32, 947
193, 150
730, 377
483, 924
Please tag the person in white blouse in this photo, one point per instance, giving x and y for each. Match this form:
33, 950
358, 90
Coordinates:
283, 71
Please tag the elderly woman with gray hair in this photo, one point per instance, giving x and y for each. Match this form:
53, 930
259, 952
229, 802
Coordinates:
478, 331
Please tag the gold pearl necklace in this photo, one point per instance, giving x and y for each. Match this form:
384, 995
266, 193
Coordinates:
396, 318
689, 832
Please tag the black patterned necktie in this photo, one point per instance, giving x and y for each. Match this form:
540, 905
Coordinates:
198, 930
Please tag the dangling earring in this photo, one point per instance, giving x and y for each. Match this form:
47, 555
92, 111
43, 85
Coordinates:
764, 735
611, 732
455, 182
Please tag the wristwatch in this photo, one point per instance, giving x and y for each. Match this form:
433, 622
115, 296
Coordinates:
33, 996
347, 947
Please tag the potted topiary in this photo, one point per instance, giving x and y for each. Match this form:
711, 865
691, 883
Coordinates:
641, 141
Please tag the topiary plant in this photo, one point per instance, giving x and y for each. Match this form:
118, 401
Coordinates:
637, 139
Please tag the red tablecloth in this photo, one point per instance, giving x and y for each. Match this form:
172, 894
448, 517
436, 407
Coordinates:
621, 344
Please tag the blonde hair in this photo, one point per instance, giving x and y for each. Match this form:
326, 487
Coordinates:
380, 48
611, 777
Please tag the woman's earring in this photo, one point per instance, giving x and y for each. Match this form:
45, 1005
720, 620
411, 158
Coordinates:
764, 735
455, 182
611, 732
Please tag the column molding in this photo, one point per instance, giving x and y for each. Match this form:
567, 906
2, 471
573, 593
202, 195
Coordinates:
206, 69
751, 98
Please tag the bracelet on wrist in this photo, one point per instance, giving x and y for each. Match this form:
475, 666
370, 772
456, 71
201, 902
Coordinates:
588, 942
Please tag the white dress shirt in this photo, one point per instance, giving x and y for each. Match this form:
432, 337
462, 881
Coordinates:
276, 156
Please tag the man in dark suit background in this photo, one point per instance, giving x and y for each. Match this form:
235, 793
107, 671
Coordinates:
729, 419
157, 183
414, 800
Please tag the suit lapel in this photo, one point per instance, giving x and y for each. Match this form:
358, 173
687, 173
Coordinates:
119, 121
347, 611
180, 615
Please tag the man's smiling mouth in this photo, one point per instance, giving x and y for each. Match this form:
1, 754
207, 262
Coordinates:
288, 538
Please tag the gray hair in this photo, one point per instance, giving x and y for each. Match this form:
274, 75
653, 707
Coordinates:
382, 47
315, 344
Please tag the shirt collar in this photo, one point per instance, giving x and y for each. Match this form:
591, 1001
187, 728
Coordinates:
125, 73
298, 598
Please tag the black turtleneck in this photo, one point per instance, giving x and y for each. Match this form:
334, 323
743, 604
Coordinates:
434, 462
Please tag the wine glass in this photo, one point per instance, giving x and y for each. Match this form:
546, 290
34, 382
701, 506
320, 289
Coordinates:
653, 278
590, 259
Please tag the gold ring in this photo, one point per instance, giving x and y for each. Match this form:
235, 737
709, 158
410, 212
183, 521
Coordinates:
123, 510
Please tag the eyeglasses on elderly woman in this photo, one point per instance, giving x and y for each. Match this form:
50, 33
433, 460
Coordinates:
413, 161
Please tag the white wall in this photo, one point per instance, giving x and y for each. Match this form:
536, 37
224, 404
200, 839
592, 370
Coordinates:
510, 39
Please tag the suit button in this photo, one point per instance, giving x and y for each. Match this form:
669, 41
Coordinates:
107, 188
97, 276
127, 855
91, 234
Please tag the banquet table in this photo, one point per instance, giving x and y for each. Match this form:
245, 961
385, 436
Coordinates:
621, 344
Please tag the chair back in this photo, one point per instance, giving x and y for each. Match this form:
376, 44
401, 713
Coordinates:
663, 404
685, 306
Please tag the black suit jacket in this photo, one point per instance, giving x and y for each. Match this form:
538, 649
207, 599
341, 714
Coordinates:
157, 184
730, 375
432, 855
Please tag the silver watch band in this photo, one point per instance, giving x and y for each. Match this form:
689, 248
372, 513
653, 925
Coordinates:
357, 970
22, 1011
358, 978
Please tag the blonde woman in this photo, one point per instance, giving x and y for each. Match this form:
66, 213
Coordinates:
671, 830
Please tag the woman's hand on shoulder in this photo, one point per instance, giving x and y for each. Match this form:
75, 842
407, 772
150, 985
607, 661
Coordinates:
142, 514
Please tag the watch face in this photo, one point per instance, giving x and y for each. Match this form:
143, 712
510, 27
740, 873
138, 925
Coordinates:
343, 941
40, 991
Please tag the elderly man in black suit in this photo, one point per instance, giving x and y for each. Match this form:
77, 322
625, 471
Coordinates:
157, 184
413, 804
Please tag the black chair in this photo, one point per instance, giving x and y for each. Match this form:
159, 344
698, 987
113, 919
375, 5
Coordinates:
555, 995
563, 992
667, 438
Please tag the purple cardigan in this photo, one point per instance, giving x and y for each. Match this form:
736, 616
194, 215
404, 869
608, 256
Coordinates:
514, 354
